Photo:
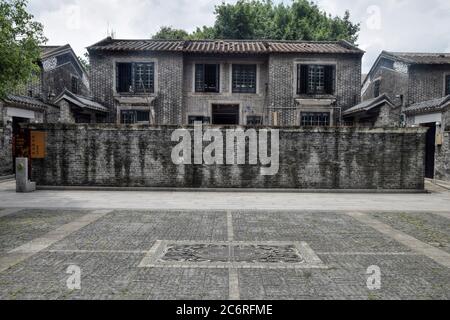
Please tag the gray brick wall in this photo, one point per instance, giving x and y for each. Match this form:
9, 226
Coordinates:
168, 90
6, 165
175, 99
392, 83
282, 82
426, 82
200, 103
328, 158
388, 117
442, 162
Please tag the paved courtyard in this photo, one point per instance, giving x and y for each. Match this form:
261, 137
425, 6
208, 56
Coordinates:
168, 245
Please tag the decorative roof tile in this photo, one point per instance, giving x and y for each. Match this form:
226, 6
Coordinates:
369, 104
428, 106
25, 101
226, 46
421, 58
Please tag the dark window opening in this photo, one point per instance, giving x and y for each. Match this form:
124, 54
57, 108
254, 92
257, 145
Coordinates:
207, 77
315, 79
225, 114
254, 120
447, 85
135, 77
244, 78
315, 119
142, 116
202, 119
134, 116
376, 88
124, 77
82, 118
75, 85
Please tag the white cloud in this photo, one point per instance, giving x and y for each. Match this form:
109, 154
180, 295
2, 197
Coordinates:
395, 25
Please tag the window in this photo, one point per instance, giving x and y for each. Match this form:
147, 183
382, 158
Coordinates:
135, 116
75, 85
254, 120
202, 119
315, 79
124, 77
207, 77
144, 77
135, 77
244, 78
447, 85
376, 88
315, 119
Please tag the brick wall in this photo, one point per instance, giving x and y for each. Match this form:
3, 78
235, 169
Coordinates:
199, 104
393, 83
327, 158
6, 166
426, 82
388, 116
442, 160
442, 163
175, 99
282, 82
168, 89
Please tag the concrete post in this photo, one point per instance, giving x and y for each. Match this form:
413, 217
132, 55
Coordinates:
23, 185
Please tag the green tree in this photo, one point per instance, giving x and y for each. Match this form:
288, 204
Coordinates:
20, 38
262, 19
169, 33
84, 60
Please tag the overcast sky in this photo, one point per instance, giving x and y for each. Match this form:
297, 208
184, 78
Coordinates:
395, 25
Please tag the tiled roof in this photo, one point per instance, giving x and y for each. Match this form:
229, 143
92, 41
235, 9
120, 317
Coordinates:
421, 58
226, 46
81, 101
369, 104
47, 51
25, 101
428, 106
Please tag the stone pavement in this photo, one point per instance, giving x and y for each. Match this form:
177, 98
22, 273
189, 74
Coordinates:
244, 246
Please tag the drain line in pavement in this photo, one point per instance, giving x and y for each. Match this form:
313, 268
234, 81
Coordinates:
233, 274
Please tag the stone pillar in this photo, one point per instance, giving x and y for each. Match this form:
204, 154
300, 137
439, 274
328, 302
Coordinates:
23, 185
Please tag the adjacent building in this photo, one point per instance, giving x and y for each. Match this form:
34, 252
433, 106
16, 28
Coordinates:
285, 83
419, 83
59, 92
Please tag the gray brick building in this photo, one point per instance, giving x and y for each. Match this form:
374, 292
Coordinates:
58, 93
225, 82
420, 84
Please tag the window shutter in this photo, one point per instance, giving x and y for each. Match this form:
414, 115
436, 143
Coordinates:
302, 79
329, 79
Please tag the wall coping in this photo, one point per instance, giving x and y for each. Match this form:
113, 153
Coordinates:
60, 126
